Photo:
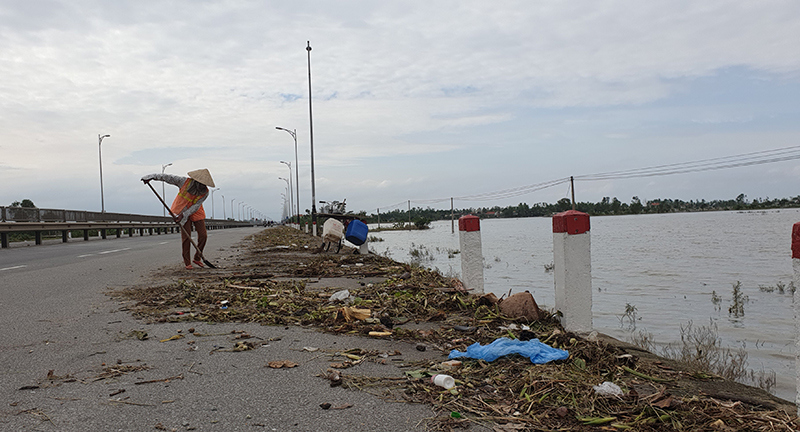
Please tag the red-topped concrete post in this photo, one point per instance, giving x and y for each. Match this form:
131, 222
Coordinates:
796, 304
572, 262
469, 237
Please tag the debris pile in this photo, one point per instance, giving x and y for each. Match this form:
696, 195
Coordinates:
598, 384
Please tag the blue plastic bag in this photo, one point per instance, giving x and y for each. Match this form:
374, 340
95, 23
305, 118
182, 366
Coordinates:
538, 352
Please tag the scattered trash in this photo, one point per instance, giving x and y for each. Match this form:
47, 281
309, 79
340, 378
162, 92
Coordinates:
521, 305
310, 349
379, 333
488, 300
445, 381
421, 348
348, 314
608, 389
455, 414
325, 405
451, 364
536, 351
340, 296
176, 337
282, 364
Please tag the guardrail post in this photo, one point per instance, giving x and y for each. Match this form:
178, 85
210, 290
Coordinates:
4, 240
573, 270
469, 236
2, 214
130, 232
103, 233
64, 236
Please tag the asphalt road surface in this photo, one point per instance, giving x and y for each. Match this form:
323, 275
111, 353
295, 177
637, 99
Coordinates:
70, 361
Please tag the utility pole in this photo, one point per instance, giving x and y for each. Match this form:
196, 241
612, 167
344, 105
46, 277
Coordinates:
311, 134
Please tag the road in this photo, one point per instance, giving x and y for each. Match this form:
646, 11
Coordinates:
69, 360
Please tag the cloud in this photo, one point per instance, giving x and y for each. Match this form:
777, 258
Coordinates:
444, 91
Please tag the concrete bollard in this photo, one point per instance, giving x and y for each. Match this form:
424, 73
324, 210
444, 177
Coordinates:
572, 261
363, 249
469, 238
796, 305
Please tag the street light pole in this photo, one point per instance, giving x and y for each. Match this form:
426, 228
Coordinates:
212, 202
311, 130
289, 191
100, 153
291, 200
223, 208
163, 191
293, 133
233, 215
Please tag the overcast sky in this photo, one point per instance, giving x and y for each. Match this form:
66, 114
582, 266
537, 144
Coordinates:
412, 101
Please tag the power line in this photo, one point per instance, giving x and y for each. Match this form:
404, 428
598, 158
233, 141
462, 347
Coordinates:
746, 159
724, 162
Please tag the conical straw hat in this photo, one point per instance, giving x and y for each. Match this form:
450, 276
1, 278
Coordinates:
203, 176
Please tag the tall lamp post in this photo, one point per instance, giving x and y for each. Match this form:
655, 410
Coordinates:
291, 200
311, 130
100, 153
223, 208
163, 191
288, 191
233, 215
293, 133
212, 202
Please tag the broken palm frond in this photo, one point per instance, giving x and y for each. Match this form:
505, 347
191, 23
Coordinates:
165, 380
510, 392
119, 370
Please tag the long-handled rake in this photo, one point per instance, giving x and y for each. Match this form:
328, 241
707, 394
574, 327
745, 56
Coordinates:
188, 234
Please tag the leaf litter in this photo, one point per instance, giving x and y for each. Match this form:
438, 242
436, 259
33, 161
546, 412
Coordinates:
275, 285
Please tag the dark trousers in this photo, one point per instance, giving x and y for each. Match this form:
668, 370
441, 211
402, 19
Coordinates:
186, 244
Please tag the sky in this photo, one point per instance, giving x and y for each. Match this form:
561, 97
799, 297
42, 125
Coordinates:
418, 101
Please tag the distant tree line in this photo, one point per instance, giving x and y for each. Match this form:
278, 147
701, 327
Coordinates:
606, 206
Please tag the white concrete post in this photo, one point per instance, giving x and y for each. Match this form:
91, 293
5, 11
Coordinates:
796, 304
469, 238
363, 249
306, 225
572, 261
314, 228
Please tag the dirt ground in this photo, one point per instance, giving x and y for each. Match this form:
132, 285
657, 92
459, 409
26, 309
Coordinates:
282, 277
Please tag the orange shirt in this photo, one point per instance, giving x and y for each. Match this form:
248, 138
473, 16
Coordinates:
185, 200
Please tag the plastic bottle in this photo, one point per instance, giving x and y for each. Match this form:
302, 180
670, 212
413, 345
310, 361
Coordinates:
445, 381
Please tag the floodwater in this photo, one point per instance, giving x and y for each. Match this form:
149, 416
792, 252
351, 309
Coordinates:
673, 268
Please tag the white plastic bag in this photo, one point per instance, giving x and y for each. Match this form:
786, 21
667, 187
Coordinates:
608, 389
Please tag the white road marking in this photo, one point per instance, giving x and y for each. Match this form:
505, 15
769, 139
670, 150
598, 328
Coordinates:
164, 242
112, 251
84, 256
12, 268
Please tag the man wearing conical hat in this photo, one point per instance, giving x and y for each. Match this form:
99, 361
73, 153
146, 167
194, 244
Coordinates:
188, 209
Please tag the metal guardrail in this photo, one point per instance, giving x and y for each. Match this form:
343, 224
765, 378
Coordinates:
38, 220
